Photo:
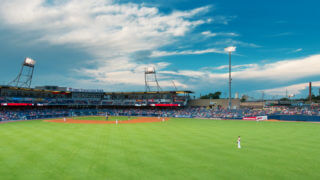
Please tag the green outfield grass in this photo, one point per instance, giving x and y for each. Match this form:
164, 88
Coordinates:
176, 149
103, 118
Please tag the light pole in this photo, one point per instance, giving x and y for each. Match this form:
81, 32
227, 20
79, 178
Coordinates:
230, 49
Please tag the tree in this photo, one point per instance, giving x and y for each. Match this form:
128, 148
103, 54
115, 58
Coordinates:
215, 95
284, 99
244, 98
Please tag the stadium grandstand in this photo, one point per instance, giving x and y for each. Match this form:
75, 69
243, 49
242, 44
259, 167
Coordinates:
42, 96
18, 101
53, 101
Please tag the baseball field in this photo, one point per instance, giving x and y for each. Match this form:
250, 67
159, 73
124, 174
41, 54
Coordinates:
171, 149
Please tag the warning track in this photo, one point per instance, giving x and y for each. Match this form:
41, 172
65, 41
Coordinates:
138, 120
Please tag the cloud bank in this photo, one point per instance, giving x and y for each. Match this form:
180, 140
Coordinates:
115, 34
280, 72
110, 32
292, 89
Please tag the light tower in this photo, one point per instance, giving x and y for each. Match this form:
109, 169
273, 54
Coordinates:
151, 81
310, 92
24, 77
230, 49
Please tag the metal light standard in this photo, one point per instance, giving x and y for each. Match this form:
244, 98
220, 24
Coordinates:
25, 75
230, 49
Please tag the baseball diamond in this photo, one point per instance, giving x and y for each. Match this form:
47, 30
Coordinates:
159, 90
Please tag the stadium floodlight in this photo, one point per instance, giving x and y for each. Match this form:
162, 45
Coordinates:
150, 70
25, 75
151, 81
29, 62
230, 49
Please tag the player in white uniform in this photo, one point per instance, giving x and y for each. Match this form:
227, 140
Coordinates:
239, 146
106, 116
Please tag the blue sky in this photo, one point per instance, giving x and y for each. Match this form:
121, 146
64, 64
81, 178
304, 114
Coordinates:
107, 44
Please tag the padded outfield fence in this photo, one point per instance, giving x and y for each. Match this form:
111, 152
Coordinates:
301, 118
277, 117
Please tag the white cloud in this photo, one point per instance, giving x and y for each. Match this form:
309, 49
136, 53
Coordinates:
210, 34
234, 67
232, 42
222, 19
110, 32
297, 50
280, 71
285, 70
295, 89
187, 52
277, 72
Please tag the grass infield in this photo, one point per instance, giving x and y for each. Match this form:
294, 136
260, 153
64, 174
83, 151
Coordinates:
175, 149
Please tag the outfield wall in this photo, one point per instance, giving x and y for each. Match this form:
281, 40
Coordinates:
295, 118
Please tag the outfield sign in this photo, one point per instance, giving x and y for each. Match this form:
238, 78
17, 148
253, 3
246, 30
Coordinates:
16, 104
256, 118
164, 105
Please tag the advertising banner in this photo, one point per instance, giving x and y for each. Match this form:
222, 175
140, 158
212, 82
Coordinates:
256, 118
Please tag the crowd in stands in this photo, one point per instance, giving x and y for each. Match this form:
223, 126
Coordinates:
55, 102
187, 112
52, 101
6, 115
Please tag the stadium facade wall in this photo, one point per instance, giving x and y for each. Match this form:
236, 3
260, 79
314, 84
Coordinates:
253, 104
214, 103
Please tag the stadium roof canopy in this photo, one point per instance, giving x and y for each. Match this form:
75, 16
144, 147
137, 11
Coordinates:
152, 92
29, 89
106, 93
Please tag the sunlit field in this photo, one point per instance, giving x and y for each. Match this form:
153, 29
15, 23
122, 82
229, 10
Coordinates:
175, 149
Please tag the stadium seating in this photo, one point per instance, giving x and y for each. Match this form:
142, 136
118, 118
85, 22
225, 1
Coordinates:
185, 112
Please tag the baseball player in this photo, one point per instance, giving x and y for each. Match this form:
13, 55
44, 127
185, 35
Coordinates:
238, 141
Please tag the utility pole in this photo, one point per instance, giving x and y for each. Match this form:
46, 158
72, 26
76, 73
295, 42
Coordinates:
230, 104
